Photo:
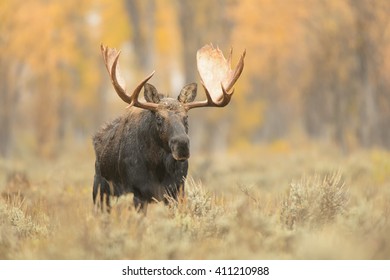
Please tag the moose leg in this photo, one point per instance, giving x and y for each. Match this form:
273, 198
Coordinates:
100, 186
140, 205
96, 186
108, 204
105, 193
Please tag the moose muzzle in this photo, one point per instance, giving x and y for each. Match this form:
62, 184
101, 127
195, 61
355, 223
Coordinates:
180, 147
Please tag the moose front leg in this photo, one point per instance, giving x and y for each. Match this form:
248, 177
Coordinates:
140, 205
102, 188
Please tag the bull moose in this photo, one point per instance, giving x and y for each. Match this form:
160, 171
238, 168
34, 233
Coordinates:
145, 151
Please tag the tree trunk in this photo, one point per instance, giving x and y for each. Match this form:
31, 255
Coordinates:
8, 104
189, 35
369, 114
143, 26
5, 120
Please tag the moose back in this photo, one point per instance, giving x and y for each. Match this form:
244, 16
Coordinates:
145, 151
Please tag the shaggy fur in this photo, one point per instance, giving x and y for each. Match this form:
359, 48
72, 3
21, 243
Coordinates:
143, 152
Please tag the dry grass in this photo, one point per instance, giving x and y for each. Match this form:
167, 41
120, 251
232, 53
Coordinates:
314, 201
311, 203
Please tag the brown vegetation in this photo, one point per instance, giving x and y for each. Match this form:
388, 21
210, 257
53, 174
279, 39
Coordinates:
271, 203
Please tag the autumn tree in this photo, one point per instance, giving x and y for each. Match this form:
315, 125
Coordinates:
371, 23
316, 67
273, 37
347, 44
49, 58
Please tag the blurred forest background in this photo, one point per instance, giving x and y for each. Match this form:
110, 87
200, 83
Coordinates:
315, 69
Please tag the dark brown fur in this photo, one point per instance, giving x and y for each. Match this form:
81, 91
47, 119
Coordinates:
144, 152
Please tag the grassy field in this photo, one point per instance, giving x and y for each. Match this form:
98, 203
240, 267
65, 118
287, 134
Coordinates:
270, 202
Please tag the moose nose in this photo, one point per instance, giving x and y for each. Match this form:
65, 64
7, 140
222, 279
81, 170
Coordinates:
180, 147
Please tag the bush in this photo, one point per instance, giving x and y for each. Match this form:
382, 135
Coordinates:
314, 201
198, 211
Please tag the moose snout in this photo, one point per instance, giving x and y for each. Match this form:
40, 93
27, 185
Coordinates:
180, 147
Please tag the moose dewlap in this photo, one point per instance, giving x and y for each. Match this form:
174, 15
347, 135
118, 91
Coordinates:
145, 151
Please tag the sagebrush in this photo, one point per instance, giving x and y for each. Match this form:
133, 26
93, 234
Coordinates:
239, 207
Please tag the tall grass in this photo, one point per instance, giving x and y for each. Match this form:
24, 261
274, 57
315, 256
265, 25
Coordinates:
314, 201
267, 204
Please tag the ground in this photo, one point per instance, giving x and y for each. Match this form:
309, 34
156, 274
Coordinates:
276, 201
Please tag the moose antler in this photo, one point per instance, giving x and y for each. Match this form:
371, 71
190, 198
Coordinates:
110, 57
217, 76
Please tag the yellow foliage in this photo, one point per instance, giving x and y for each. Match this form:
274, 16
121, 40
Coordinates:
168, 44
266, 28
56, 45
114, 26
280, 147
167, 33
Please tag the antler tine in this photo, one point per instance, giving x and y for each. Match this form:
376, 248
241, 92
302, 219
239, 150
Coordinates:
237, 70
136, 102
217, 77
118, 88
112, 56
209, 101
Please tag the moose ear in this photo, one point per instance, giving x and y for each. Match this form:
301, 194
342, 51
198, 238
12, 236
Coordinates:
188, 93
151, 93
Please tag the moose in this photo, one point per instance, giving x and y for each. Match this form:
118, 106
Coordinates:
145, 151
